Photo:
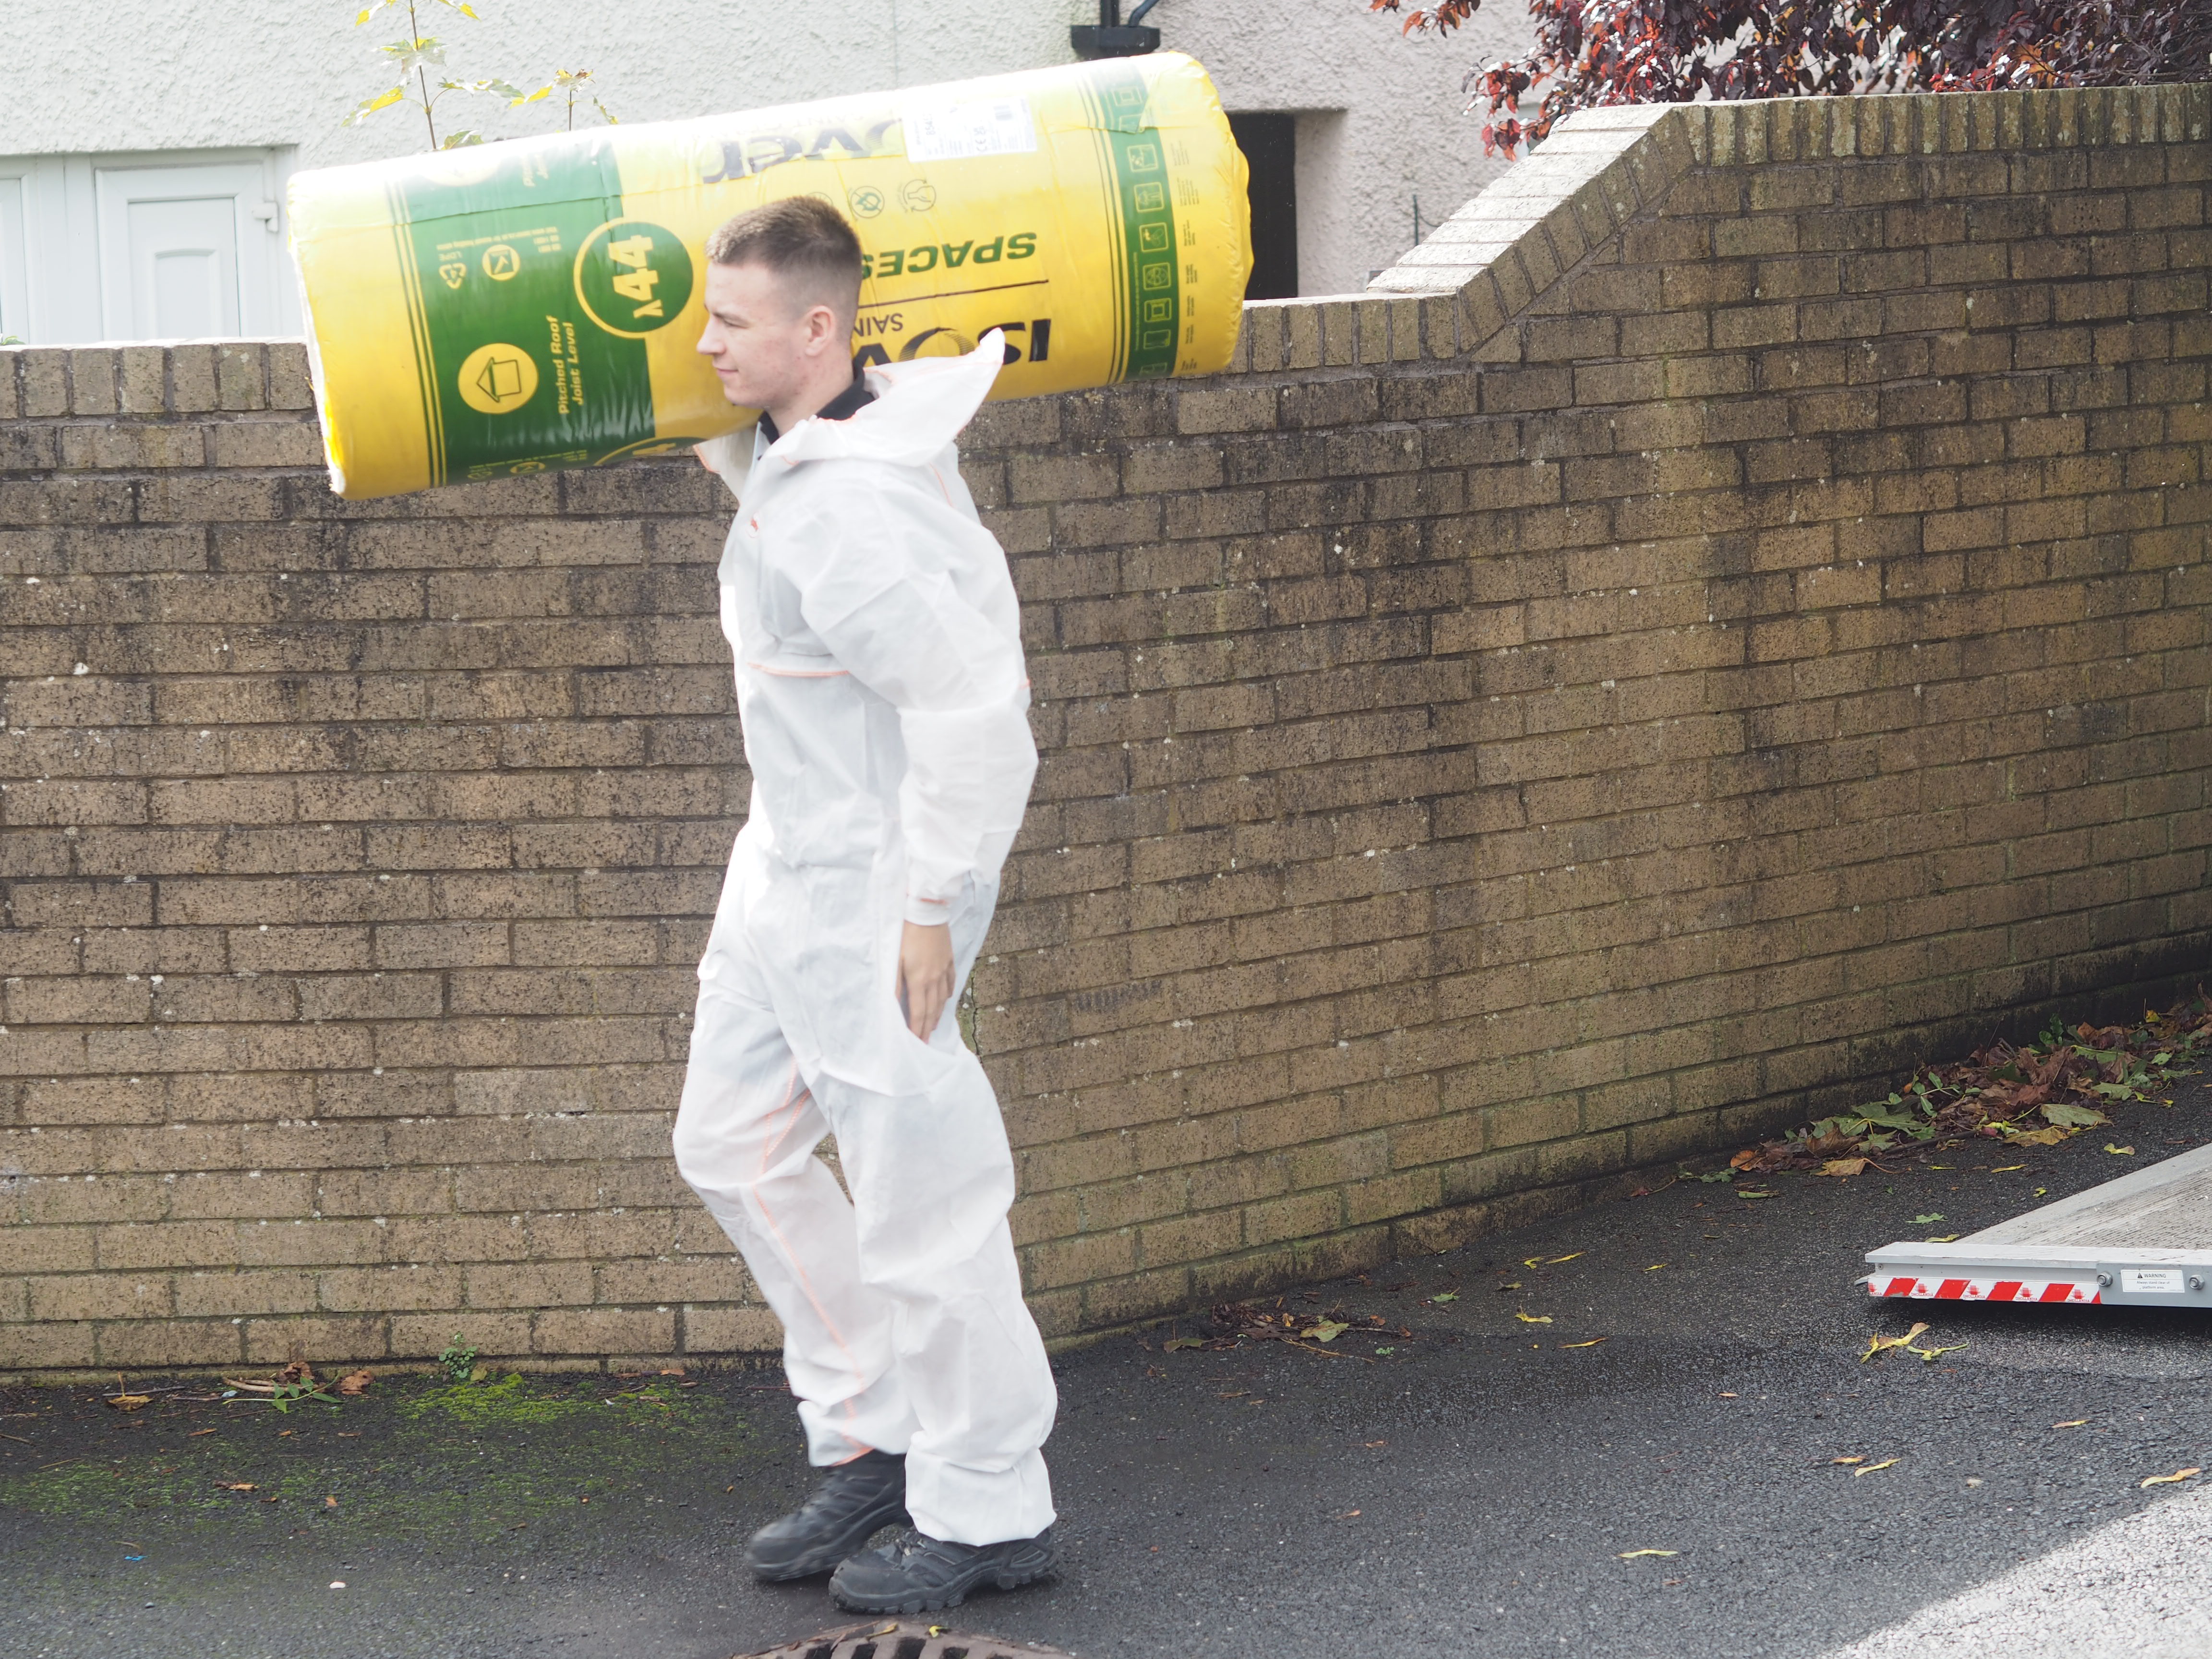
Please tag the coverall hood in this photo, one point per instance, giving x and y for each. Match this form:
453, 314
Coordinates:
919, 407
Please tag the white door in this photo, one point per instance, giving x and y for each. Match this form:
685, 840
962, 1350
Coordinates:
14, 261
186, 252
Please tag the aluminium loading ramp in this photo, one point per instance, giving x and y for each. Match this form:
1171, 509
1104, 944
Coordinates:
2143, 1240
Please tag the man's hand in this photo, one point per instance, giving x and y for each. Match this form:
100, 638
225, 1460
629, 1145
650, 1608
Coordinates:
925, 976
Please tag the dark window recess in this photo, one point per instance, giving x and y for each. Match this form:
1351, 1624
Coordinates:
1270, 147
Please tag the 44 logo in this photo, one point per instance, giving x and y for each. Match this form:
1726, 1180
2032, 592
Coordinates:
633, 277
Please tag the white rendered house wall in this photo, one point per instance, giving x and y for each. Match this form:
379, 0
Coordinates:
266, 84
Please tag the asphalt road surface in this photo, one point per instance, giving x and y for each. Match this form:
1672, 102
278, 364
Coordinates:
1479, 1486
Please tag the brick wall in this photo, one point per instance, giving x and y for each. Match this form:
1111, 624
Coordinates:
1721, 621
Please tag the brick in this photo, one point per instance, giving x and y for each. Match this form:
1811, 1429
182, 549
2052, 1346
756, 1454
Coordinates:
328, 1342
288, 386
240, 374
43, 377
192, 378
131, 1345
720, 1330
604, 1331
141, 380
200, 1295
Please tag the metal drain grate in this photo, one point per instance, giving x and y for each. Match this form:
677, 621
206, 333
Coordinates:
906, 1639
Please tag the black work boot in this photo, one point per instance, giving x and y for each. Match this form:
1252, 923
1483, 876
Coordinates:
854, 1499
930, 1573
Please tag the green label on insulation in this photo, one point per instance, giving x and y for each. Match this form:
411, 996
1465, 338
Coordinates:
1150, 295
530, 294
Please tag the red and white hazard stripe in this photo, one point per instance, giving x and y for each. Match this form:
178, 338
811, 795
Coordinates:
1983, 1290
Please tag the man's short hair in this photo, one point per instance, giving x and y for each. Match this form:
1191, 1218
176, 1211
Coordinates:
801, 239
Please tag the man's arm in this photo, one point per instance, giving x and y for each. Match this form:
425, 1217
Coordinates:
879, 602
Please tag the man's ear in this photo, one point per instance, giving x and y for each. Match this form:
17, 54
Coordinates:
822, 328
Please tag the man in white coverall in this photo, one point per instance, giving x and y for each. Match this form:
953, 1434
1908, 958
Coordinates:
882, 690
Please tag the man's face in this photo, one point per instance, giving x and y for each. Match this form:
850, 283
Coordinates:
762, 342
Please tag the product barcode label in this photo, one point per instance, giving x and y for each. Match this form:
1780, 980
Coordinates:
957, 131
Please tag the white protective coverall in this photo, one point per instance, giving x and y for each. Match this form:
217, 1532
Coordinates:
881, 689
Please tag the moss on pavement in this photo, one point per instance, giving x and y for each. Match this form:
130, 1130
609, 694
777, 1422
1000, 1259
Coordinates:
415, 1455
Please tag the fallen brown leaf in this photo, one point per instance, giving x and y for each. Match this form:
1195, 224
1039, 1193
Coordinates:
2035, 1095
353, 1381
2165, 1480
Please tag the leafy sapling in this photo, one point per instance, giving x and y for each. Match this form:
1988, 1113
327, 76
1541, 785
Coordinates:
415, 57
569, 82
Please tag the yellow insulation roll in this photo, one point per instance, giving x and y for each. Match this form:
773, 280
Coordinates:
511, 307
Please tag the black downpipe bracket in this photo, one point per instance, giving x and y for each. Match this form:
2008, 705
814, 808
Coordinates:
1112, 38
